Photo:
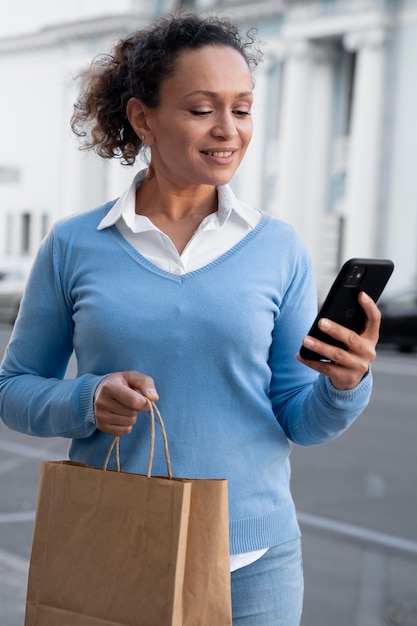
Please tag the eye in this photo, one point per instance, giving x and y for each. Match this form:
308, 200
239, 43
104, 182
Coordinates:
200, 113
241, 113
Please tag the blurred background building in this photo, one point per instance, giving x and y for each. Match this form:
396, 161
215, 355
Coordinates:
335, 144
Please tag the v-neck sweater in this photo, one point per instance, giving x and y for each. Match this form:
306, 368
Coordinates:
220, 343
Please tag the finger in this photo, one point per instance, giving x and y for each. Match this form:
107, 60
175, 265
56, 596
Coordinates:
344, 375
115, 429
329, 351
144, 384
119, 392
330, 368
348, 337
359, 352
114, 419
114, 398
118, 400
373, 316
107, 404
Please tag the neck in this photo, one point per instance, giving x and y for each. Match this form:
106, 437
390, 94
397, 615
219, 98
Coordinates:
156, 198
175, 211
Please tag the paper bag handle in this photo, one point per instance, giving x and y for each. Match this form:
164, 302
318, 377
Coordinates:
116, 442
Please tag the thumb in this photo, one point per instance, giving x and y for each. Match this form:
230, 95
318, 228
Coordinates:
141, 382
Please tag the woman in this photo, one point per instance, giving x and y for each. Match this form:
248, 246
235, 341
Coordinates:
182, 292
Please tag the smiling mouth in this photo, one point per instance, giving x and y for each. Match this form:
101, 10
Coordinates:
218, 154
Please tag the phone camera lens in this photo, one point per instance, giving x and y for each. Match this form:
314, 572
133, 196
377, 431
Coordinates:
354, 276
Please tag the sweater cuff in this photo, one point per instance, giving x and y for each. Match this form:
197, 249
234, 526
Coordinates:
85, 401
342, 397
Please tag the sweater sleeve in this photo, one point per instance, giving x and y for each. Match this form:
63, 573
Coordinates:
34, 396
326, 412
307, 406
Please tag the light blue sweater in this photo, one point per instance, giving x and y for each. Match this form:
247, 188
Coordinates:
220, 343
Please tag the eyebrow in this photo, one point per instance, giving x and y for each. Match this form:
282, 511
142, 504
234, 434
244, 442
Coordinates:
213, 94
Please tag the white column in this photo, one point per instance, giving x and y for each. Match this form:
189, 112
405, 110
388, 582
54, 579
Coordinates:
83, 184
316, 183
364, 163
20, 234
293, 129
36, 230
90, 180
16, 234
250, 175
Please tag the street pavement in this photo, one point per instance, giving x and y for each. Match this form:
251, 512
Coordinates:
13, 581
356, 498
20, 458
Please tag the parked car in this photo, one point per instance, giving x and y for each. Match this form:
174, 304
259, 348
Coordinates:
12, 284
399, 320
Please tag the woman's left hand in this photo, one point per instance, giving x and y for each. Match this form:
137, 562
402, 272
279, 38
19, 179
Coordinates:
347, 367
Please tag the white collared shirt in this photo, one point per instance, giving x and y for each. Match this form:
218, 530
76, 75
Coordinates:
217, 233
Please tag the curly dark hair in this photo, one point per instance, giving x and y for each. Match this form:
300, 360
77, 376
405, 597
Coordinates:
136, 68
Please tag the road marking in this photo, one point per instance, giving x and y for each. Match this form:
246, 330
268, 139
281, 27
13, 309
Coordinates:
372, 589
11, 464
12, 564
397, 367
18, 516
30, 451
395, 397
382, 540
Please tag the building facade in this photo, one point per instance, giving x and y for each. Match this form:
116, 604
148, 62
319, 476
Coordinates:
334, 147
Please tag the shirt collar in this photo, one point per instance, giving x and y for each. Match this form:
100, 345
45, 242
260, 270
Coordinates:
124, 208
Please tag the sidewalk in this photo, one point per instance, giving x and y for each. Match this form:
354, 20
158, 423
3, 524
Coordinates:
13, 583
370, 589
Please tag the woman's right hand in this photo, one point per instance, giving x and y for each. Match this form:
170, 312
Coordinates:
119, 398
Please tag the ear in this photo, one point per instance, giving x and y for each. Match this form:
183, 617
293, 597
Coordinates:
138, 116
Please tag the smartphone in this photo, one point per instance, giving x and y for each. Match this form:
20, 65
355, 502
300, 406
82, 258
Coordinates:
341, 304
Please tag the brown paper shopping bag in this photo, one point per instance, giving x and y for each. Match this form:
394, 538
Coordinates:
117, 549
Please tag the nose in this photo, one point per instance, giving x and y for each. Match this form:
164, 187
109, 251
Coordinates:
225, 126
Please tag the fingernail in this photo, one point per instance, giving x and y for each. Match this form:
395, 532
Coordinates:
325, 324
151, 391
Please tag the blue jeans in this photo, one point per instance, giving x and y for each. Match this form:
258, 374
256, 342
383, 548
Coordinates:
269, 592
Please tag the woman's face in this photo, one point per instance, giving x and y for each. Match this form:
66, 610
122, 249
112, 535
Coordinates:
202, 126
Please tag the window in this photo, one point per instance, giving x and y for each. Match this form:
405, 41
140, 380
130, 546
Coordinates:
26, 232
343, 103
186, 4
44, 224
350, 73
9, 234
